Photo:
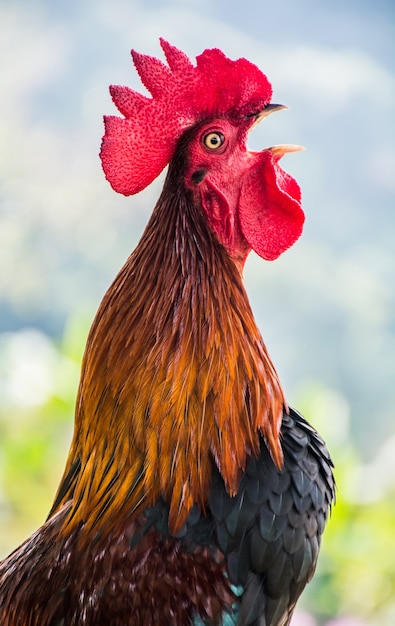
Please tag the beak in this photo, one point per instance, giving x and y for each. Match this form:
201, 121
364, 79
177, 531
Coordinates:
279, 151
268, 110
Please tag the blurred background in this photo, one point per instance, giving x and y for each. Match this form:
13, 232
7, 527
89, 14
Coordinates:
326, 308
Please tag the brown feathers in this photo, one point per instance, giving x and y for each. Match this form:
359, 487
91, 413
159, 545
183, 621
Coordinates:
175, 374
51, 582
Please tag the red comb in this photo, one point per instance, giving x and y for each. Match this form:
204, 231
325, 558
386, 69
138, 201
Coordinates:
136, 148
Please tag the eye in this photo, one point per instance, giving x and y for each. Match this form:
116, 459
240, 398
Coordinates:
213, 140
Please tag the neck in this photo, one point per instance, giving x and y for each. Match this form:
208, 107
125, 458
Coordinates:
175, 375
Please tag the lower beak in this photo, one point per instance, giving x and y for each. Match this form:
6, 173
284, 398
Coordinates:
282, 149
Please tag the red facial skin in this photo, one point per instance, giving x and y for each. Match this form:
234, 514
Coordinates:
249, 201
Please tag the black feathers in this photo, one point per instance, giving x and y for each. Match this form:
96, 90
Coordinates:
271, 530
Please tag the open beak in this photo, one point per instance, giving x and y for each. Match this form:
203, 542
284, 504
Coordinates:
280, 150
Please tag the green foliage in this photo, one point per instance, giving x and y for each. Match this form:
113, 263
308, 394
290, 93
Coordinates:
356, 571
37, 394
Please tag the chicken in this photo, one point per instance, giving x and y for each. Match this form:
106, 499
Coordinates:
192, 494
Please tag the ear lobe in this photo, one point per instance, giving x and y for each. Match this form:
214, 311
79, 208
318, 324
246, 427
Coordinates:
270, 213
217, 209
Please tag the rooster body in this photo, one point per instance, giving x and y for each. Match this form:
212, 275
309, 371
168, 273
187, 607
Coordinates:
192, 494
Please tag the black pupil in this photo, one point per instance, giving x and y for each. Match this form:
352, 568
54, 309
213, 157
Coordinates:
213, 140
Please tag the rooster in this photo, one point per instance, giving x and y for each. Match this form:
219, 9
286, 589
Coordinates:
192, 494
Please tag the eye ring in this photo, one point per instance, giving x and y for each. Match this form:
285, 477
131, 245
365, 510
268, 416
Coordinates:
213, 140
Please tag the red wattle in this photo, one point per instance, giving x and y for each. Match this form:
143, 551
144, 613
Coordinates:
270, 212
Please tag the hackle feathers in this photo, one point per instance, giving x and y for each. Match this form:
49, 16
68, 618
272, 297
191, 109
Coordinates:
176, 370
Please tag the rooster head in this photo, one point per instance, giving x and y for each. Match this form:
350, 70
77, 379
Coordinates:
249, 200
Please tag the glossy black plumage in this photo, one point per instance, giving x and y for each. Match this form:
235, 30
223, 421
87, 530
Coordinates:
271, 531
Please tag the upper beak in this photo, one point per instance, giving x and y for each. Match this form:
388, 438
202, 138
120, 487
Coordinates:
268, 110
